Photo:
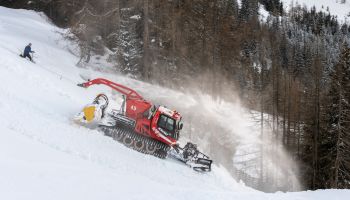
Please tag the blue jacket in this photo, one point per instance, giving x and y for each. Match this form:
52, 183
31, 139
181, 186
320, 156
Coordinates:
27, 50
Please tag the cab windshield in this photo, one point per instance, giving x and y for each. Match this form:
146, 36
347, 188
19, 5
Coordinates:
168, 125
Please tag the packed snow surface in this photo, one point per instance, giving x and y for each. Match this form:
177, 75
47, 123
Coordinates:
43, 155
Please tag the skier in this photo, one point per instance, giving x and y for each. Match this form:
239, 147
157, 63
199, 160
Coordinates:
27, 50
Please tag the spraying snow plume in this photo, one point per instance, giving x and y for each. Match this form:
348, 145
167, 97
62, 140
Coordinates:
231, 135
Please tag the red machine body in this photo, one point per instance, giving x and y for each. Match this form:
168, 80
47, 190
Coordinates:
159, 122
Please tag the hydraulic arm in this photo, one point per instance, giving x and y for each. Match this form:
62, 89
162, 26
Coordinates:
128, 92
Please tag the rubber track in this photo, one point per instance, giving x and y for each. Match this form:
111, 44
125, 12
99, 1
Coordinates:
125, 134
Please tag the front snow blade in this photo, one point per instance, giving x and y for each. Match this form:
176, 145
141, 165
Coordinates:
203, 165
192, 157
201, 169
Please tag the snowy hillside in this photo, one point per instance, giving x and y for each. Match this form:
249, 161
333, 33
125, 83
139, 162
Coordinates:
335, 7
43, 155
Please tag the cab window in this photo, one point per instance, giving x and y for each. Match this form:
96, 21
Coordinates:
166, 123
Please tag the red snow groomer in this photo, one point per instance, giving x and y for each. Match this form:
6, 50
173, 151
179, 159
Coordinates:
142, 126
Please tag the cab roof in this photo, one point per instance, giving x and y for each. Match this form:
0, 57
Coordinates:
172, 113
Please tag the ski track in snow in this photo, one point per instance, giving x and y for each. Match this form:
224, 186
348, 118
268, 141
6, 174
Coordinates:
43, 155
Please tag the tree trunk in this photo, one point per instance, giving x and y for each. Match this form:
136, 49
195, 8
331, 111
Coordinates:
146, 58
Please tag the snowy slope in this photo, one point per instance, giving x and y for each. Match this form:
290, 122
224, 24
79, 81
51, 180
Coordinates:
43, 155
335, 7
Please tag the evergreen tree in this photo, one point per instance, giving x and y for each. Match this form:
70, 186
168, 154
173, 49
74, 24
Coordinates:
335, 140
249, 10
129, 39
232, 8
